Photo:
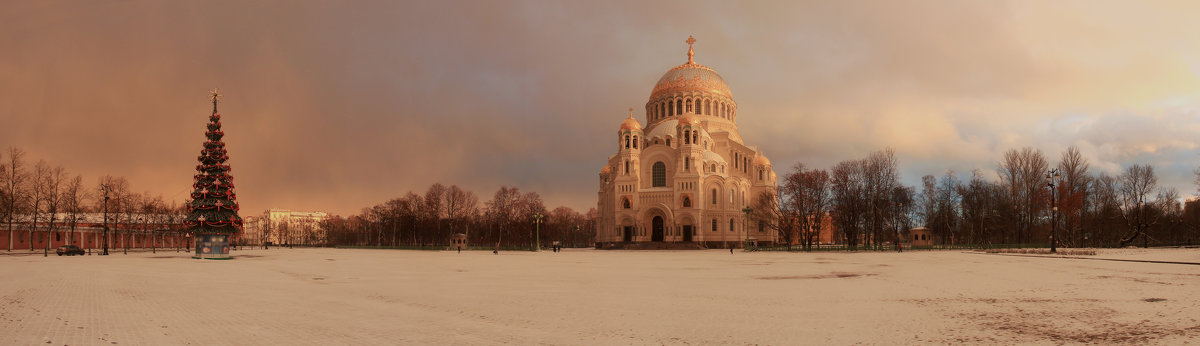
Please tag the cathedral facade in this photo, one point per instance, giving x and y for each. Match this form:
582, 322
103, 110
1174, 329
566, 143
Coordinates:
686, 176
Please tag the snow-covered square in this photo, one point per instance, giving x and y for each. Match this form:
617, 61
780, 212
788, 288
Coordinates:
342, 296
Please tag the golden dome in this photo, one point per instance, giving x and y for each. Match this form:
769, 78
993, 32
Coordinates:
691, 77
630, 123
762, 161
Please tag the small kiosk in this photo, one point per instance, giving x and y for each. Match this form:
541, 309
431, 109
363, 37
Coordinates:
458, 241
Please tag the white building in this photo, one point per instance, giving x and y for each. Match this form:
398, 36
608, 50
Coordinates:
687, 175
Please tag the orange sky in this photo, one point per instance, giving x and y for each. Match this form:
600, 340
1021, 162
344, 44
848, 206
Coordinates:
340, 105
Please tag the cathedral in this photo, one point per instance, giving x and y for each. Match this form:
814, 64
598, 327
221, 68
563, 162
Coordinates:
686, 176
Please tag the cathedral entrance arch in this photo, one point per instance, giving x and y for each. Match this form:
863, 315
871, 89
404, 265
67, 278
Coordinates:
687, 233
656, 226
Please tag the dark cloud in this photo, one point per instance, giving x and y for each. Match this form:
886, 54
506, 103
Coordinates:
339, 105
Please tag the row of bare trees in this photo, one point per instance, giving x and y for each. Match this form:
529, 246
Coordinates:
44, 199
866, 205
429, 219
1032, 199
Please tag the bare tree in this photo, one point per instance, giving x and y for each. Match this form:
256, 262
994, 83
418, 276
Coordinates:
769, 214
37, 192
460, 206
849, 202
434, 210
1136, 184
54, 180
15, 179
1022, 173
72, 196
1072, 192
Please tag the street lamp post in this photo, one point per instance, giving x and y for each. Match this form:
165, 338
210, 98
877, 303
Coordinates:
537, 220
139, 220
1052, 179
105, 188
896, 221
746, 226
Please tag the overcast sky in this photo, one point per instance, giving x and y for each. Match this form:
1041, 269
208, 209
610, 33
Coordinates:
337, 105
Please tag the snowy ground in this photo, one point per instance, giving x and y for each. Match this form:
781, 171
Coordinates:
331, 296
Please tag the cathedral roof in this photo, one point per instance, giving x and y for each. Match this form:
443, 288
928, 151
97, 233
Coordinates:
709, 156
691, 77
663, 129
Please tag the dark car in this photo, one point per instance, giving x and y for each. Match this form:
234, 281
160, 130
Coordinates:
68, 250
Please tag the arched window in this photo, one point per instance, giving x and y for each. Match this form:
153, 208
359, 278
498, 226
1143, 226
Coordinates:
627, 167
687, 106
687, 163
635, 140
731, 224
735, 159
714, 170
658, 173
626, 141
760, 174
714, 225
694, 137
687, 202
686, 137
707, 107
668, 142
625, 202
714, 198
678, 107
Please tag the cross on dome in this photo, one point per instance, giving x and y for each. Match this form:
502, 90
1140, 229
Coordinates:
691, 52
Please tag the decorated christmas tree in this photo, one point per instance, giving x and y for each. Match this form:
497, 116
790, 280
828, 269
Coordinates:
213, 212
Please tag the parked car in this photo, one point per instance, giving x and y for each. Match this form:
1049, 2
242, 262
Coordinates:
68, 250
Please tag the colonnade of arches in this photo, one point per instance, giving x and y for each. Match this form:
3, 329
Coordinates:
698, 105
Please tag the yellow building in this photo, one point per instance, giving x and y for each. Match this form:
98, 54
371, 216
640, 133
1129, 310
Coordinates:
687, 175
285, 227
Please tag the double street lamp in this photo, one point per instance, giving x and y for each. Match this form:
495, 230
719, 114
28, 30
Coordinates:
746, 226
537, 220
1053, 179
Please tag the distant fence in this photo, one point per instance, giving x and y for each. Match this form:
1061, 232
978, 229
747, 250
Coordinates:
892, 247
437, 247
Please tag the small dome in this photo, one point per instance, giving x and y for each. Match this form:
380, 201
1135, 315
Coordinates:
762, 161
606, 170
631, 124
